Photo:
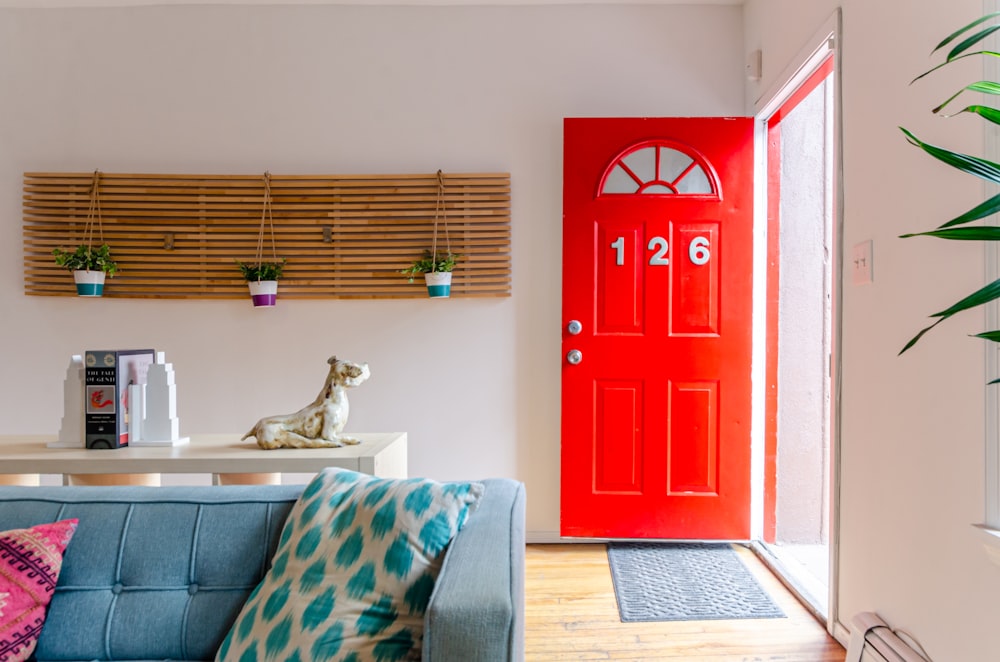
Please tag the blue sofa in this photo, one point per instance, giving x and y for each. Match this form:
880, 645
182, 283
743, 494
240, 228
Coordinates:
160, 573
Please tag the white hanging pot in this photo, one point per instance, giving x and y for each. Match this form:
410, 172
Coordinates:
89, 283
263, 293
438, 284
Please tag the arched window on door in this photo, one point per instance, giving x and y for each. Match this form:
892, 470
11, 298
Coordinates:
659, 168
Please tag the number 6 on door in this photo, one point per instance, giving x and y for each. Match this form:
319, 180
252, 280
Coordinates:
698, 251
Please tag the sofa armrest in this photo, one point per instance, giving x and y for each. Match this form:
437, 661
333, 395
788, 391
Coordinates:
476, 612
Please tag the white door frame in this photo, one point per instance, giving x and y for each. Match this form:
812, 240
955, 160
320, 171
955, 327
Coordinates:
824, 43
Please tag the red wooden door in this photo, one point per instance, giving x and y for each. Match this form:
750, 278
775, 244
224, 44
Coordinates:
657, 273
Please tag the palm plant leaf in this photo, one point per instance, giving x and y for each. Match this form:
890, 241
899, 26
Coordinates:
982, 210
958, 33
914, 339
989, 335
984, 86
947, 62
969, 42
983, 295
979, 233
971, 164
986, 112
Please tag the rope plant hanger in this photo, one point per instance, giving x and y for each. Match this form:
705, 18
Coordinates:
267, 217
95, 206
90, 265
435, 267
261, 272
440, 212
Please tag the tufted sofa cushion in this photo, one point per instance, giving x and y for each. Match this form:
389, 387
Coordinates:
152, 573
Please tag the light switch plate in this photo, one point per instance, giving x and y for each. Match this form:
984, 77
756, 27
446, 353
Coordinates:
861, 263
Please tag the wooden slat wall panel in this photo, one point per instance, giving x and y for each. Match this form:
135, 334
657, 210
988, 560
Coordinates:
376, 225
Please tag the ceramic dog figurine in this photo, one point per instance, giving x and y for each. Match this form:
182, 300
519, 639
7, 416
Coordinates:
320, 424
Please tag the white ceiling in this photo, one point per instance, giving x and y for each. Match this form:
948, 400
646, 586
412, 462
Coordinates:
132, 3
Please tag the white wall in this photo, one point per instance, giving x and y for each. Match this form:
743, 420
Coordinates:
912, 427
343, 89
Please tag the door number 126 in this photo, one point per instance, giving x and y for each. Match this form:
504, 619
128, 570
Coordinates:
698, 251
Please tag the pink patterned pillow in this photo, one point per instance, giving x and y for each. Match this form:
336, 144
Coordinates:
30, 561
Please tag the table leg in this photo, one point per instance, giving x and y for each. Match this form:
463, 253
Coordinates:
29, 480
150, 480
247, 479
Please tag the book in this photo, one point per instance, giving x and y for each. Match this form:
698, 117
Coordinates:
107, 376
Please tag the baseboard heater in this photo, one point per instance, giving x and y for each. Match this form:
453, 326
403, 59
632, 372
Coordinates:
872, 640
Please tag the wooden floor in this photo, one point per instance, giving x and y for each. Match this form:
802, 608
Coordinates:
572, 615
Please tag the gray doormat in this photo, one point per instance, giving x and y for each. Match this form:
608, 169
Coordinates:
685, 582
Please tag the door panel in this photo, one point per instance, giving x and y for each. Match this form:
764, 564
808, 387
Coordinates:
696, 283
620, 282
694, 440
618, 451
657, 259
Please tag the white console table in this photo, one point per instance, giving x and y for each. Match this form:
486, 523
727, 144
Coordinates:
228, 459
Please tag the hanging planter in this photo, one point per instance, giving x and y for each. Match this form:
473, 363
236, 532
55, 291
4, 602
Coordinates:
438, 284
262, 277
89, 265
89, 283
263, 293
436, 267
437, 273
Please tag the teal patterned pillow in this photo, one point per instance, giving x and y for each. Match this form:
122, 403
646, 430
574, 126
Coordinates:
353, 571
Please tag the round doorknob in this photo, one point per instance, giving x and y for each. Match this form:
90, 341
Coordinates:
574, 356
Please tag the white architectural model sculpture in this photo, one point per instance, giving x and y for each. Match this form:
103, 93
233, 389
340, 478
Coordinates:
72, 430
152, 417
318, 425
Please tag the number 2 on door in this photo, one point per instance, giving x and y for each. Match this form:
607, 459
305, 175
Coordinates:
699, 251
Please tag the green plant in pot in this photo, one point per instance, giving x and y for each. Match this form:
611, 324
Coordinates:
964, 43
262, 279
436, 268
89, 265
261, 270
